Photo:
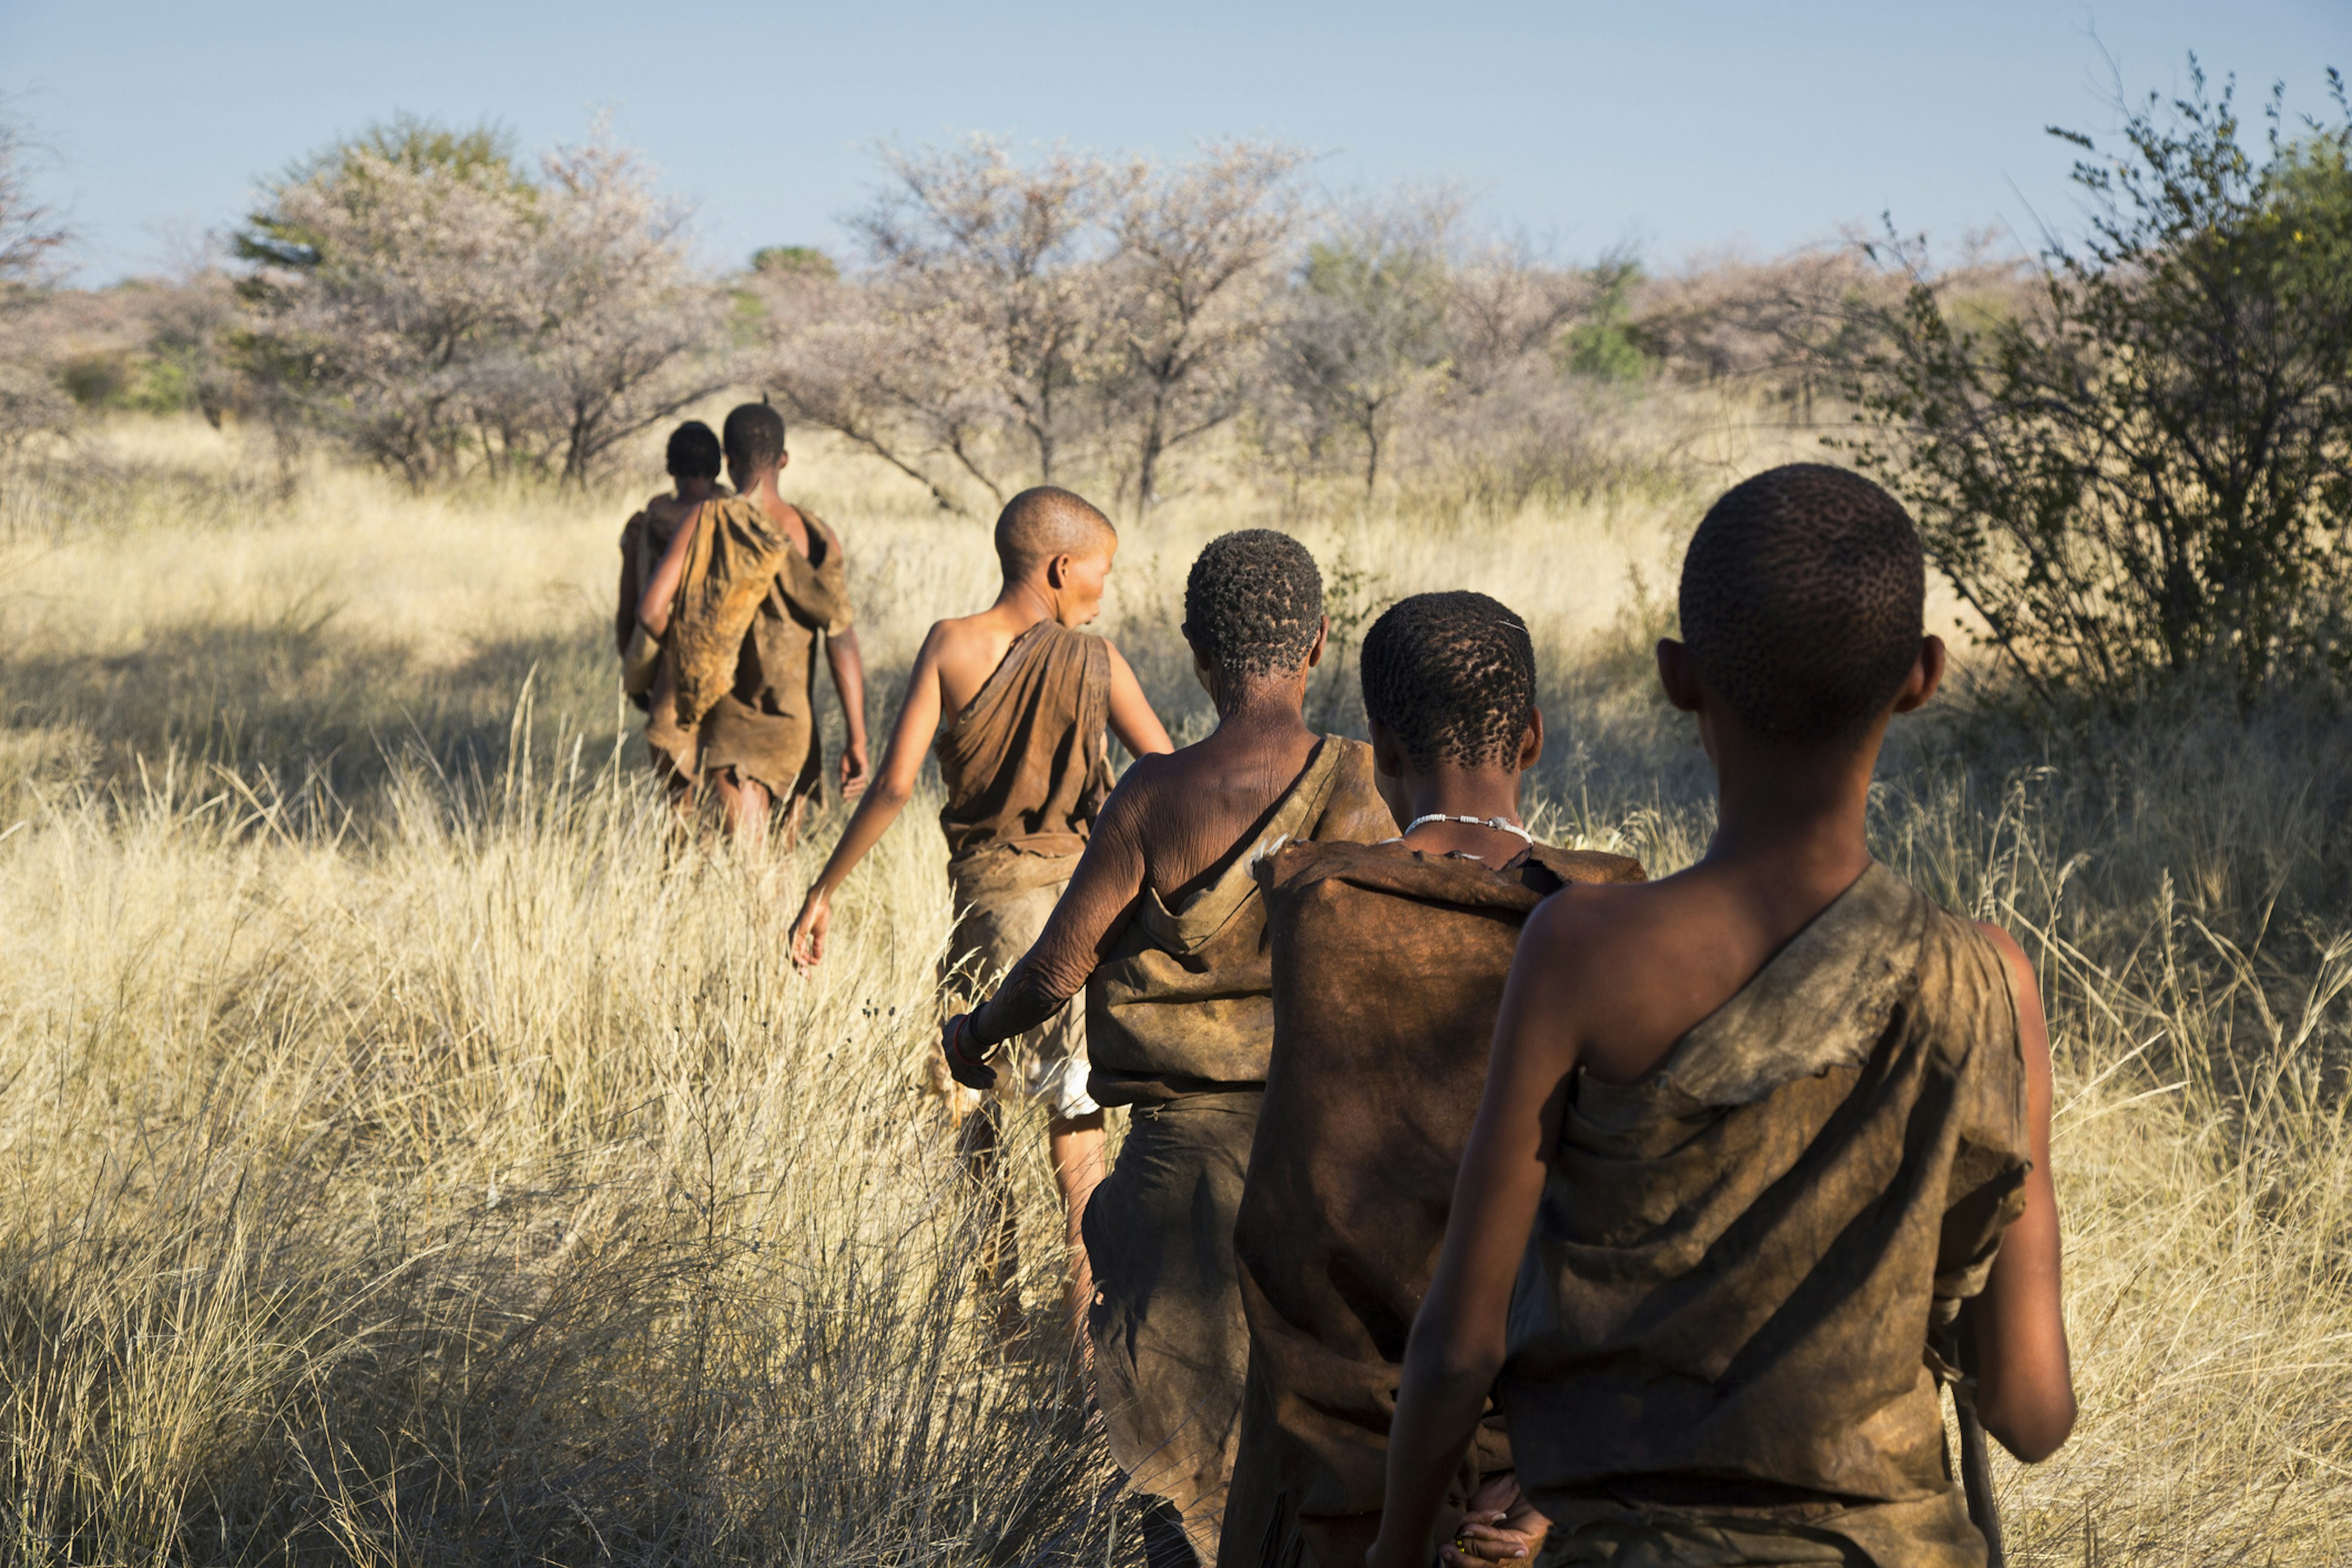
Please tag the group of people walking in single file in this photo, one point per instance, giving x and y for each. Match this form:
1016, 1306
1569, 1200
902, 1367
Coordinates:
1481, 1200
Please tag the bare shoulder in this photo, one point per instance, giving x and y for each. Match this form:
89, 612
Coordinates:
1147, 778
1602, 927
2006, 945
965, 649
1626, 968
2033, 1030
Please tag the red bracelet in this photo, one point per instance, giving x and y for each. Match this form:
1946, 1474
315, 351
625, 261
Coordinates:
955, 1046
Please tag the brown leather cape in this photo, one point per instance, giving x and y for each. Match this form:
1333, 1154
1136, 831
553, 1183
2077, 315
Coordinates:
1388, 970
1027, 762
1725, 1308
1180, 1021
737, 683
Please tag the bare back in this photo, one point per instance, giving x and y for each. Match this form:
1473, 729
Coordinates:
1171, 827
1192, 808
967, 650
1639, 966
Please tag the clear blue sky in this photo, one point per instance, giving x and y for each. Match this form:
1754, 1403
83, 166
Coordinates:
1676, 124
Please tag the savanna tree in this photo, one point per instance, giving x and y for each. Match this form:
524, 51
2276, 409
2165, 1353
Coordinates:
1198, 252
628, 325
420, 296
994, 272
389, 276
2149, 472
1366, 327
840, 355
32, 237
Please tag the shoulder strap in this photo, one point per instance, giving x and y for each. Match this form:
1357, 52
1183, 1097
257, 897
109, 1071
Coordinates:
1211, 910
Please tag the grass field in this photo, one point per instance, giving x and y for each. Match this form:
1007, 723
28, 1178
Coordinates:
412, 1157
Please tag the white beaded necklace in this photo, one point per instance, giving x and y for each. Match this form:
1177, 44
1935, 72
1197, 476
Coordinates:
1499, 824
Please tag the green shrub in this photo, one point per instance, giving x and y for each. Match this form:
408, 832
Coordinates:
2149, 472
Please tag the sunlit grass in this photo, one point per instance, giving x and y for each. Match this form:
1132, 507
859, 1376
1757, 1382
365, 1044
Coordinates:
415, 1155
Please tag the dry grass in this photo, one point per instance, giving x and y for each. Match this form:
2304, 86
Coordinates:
412, 1157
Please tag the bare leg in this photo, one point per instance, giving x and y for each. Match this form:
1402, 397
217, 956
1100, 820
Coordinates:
1075, 1145
746, 805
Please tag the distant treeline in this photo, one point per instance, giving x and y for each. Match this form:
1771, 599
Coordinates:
433, 302
2132, 453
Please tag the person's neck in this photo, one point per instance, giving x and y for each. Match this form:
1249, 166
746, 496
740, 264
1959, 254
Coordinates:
1795, 816
1450, 790
1264, 708
696, 490
763, 488
1024, 603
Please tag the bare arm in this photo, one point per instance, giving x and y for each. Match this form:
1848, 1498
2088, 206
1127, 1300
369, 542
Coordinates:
1083, 925
1139, 729
661, 594
625, 617
2025, 1384
849, 680
902, 762
1458, 1337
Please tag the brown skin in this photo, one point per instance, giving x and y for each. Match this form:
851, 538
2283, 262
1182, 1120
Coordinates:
692, 491
746, 802
1171, 820
957, 659
1500, 1524
1606, 980
1173, 817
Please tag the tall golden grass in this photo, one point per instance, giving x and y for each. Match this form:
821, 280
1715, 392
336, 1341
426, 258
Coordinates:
416, 1155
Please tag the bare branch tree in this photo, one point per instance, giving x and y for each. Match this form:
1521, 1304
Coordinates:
837, 358
628, 323
32, 236
1503, 305
1199, 246
1366, 327
981, 258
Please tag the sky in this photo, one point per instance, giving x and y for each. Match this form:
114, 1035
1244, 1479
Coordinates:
1676, 126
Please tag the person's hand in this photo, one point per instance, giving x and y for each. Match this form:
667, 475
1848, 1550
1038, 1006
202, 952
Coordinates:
807, 943
1499, 1526
964, 1065
853, 770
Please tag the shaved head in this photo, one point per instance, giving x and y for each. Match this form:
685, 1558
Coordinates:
1038, 524
1802, 602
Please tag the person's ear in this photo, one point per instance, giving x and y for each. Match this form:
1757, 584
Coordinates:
1203, 671
1679, 674
783, 461
1322, 635
1388, 757
1531, 744
1926, 674
1057, 572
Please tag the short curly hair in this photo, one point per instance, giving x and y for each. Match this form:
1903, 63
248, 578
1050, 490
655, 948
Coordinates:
1452, 676
693, 452
1253, 603
1803, 602
753, 435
